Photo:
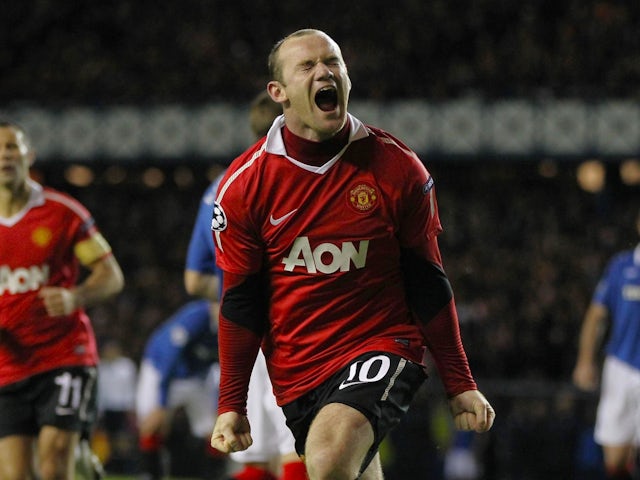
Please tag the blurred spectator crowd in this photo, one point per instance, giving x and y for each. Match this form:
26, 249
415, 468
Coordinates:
192, 51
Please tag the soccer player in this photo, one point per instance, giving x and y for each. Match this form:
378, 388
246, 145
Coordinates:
273, 449
615, 300
328, 229
48, 354
179, 368
117, 380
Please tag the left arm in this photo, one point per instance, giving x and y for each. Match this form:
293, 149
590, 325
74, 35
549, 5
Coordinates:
103, 282
430, 297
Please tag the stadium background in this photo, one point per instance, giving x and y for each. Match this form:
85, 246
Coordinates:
526, 113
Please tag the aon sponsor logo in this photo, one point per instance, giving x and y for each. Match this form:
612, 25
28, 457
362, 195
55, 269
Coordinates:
326, 257
21, 280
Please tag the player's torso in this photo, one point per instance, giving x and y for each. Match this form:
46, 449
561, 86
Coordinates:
36, 250
625, 310
331, 250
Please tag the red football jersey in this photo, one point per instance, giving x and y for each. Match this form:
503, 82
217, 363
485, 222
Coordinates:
330, 238
36, 250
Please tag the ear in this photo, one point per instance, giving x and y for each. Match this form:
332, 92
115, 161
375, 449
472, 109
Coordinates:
276, 91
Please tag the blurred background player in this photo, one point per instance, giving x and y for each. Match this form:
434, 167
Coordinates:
48, 353
87, 464
116, 425
179, 369
617, 299
273, 450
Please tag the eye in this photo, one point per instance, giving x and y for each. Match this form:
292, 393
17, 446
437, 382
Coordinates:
305, 67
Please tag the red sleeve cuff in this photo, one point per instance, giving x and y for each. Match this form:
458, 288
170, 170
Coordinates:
442, 336
238, 348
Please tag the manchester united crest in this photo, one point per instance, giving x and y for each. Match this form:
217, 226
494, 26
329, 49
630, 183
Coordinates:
363, 197
41, 236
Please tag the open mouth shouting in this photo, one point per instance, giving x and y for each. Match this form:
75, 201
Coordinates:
327, 98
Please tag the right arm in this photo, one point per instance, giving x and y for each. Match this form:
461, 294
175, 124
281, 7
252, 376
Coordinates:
200, 284
240, 330
585, 374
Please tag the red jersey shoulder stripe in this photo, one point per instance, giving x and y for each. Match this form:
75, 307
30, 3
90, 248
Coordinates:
223, 188
69, 202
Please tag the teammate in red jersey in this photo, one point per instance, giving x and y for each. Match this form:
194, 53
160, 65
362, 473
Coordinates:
48, 351
328, 229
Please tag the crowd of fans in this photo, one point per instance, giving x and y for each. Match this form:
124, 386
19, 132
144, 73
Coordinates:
193, 51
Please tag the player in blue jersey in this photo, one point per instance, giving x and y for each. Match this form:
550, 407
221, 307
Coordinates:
273, 450
617, 300
201, 275
179, 368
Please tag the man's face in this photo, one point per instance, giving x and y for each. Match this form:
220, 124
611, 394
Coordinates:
314, 86
15, 158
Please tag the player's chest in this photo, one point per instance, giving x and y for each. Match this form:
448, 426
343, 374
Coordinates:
332, 211
36, 239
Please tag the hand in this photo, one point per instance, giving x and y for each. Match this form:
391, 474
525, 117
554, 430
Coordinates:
58, 301
472, 411
231, 433
585, 376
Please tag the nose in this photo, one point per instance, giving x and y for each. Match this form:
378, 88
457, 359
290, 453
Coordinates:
324, 71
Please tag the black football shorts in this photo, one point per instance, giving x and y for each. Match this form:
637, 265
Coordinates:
378, 384
59, 398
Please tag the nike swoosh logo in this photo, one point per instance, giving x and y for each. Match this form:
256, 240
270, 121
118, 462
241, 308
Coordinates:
346, 384
277, 221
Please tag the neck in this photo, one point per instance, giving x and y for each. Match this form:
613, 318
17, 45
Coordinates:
13, 199
315, 153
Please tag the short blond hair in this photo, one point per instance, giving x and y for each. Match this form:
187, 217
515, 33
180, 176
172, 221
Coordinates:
275, 70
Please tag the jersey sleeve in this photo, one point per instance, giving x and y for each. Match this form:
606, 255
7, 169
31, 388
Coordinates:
91, 249
419, 228
420, 222
88, 243
238, 247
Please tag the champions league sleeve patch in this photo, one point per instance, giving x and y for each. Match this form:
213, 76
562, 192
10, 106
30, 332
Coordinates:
426, 188
218, 219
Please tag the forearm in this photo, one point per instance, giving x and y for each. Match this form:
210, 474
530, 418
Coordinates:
591, 333
238, 348
442, 336
242, 322
105, 280
430, 297
204, 285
